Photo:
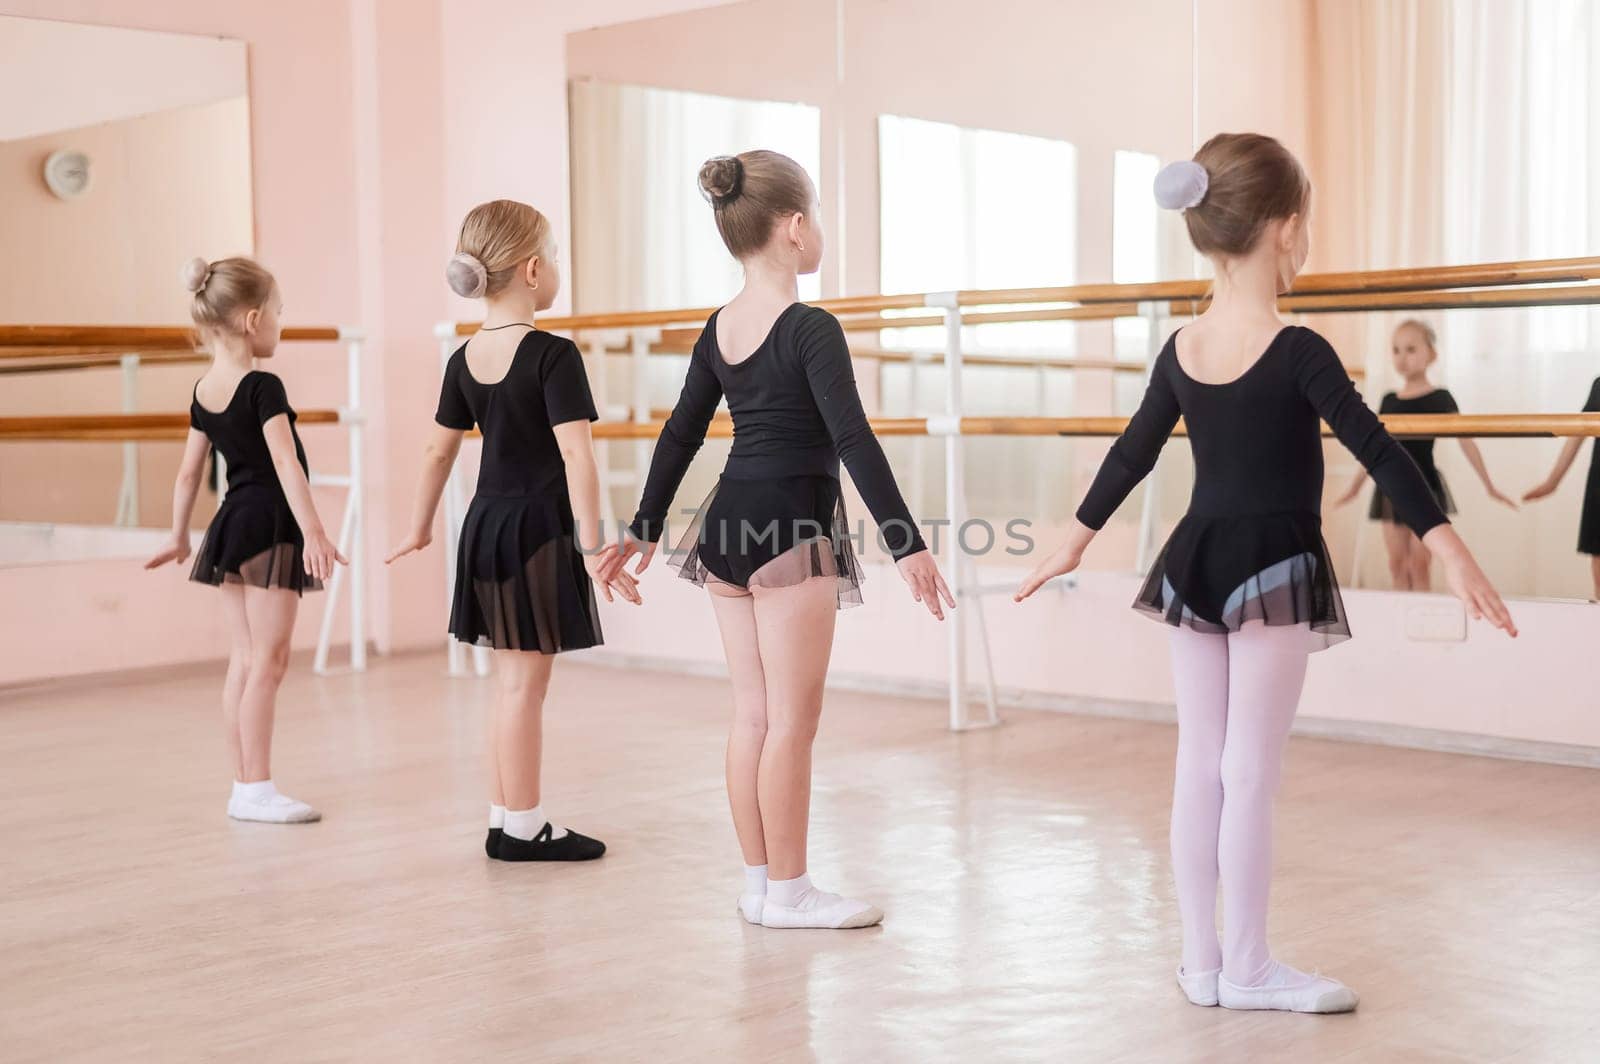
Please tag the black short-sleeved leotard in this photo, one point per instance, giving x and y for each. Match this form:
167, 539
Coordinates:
1589, 523
1250, 546
776, 516
1438, 401
520, 580
253, 538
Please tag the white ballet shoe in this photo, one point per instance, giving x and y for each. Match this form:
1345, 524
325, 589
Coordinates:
750, 906
821, 909
272, 809
1287, 989
1201, 987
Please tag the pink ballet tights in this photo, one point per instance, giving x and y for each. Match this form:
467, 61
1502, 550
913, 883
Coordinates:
1237, 695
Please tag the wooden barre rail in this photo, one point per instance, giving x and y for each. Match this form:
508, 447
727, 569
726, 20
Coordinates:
106, 427
1181, 295
121, 427
17, 340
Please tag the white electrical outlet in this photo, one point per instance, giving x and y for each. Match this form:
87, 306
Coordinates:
1436, 622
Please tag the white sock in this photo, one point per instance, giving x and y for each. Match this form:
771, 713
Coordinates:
497, 816
789, 892
260, 791
524, 824
755, 879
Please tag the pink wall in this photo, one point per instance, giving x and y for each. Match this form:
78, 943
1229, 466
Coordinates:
373, 132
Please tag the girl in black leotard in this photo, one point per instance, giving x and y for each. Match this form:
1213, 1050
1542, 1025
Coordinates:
1245, 580
531, 539
266, 544
772, 543
1589, 518
1415, 348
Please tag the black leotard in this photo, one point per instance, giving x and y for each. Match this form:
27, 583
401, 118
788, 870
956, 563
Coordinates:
253, 538
1589, 523
796, 414
520, 580
1438, 401
1250, 546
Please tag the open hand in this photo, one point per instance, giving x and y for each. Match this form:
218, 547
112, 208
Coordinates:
176, 550
1482, 601
631, 546
1501, 498
412, 543
922, 576
1539, 491
320, 555
1059, 562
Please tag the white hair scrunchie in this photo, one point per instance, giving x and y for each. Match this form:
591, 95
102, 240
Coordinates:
196, 272
1181, 185
467, 276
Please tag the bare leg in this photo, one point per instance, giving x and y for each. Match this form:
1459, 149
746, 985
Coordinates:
794, 628
1395, 537
522, 678
736, 620
1594, 569
270, 614
238, 626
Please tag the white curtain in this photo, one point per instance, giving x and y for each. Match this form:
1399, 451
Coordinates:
1458, 131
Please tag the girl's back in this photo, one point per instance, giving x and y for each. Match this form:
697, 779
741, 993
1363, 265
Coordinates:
515, 387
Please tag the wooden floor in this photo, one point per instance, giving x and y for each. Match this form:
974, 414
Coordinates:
1023, 870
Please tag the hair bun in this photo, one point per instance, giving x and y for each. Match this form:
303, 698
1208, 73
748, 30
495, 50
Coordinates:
722, 179
196, 272
1181, 185
467, 276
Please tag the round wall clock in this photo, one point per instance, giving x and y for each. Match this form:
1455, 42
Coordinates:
66, 173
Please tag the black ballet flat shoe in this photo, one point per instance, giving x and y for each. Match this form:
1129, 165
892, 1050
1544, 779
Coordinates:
491, 845
569, 847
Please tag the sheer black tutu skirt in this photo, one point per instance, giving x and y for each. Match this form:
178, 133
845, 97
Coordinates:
253, 540
520, 580
771, 533
1589, 521
1217, 574
1382, 509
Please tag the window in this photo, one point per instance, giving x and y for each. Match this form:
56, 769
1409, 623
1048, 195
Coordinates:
1135, 240
976, 208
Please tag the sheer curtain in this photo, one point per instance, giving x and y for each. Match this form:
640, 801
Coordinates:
1459, 131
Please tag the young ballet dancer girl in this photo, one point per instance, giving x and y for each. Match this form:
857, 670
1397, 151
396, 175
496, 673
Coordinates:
1414, 348
1589, 521
771, 543
1245, 579
265, 545
532, 536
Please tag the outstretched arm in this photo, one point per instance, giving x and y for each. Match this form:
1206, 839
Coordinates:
680, 440
184, 490
825, 356
1549, 484
1469, 447
438, 458
320, 552
1129, 461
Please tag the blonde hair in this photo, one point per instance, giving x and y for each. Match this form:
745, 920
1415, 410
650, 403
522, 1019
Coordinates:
1249, 180
1429, 337
750, 192
225, 288
496, 239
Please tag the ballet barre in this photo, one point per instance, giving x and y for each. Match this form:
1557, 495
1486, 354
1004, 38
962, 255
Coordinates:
641, 334
52, 348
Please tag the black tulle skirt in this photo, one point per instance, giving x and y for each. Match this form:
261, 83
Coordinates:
520, 580
1589, 519
771, 533
253, 540
1383, 510
1217, 574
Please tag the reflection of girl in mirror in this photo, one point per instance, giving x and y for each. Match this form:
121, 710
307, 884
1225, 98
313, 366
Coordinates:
1414, 349
531, 546
772, 544
266, 543
1589, 522
1245, 579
